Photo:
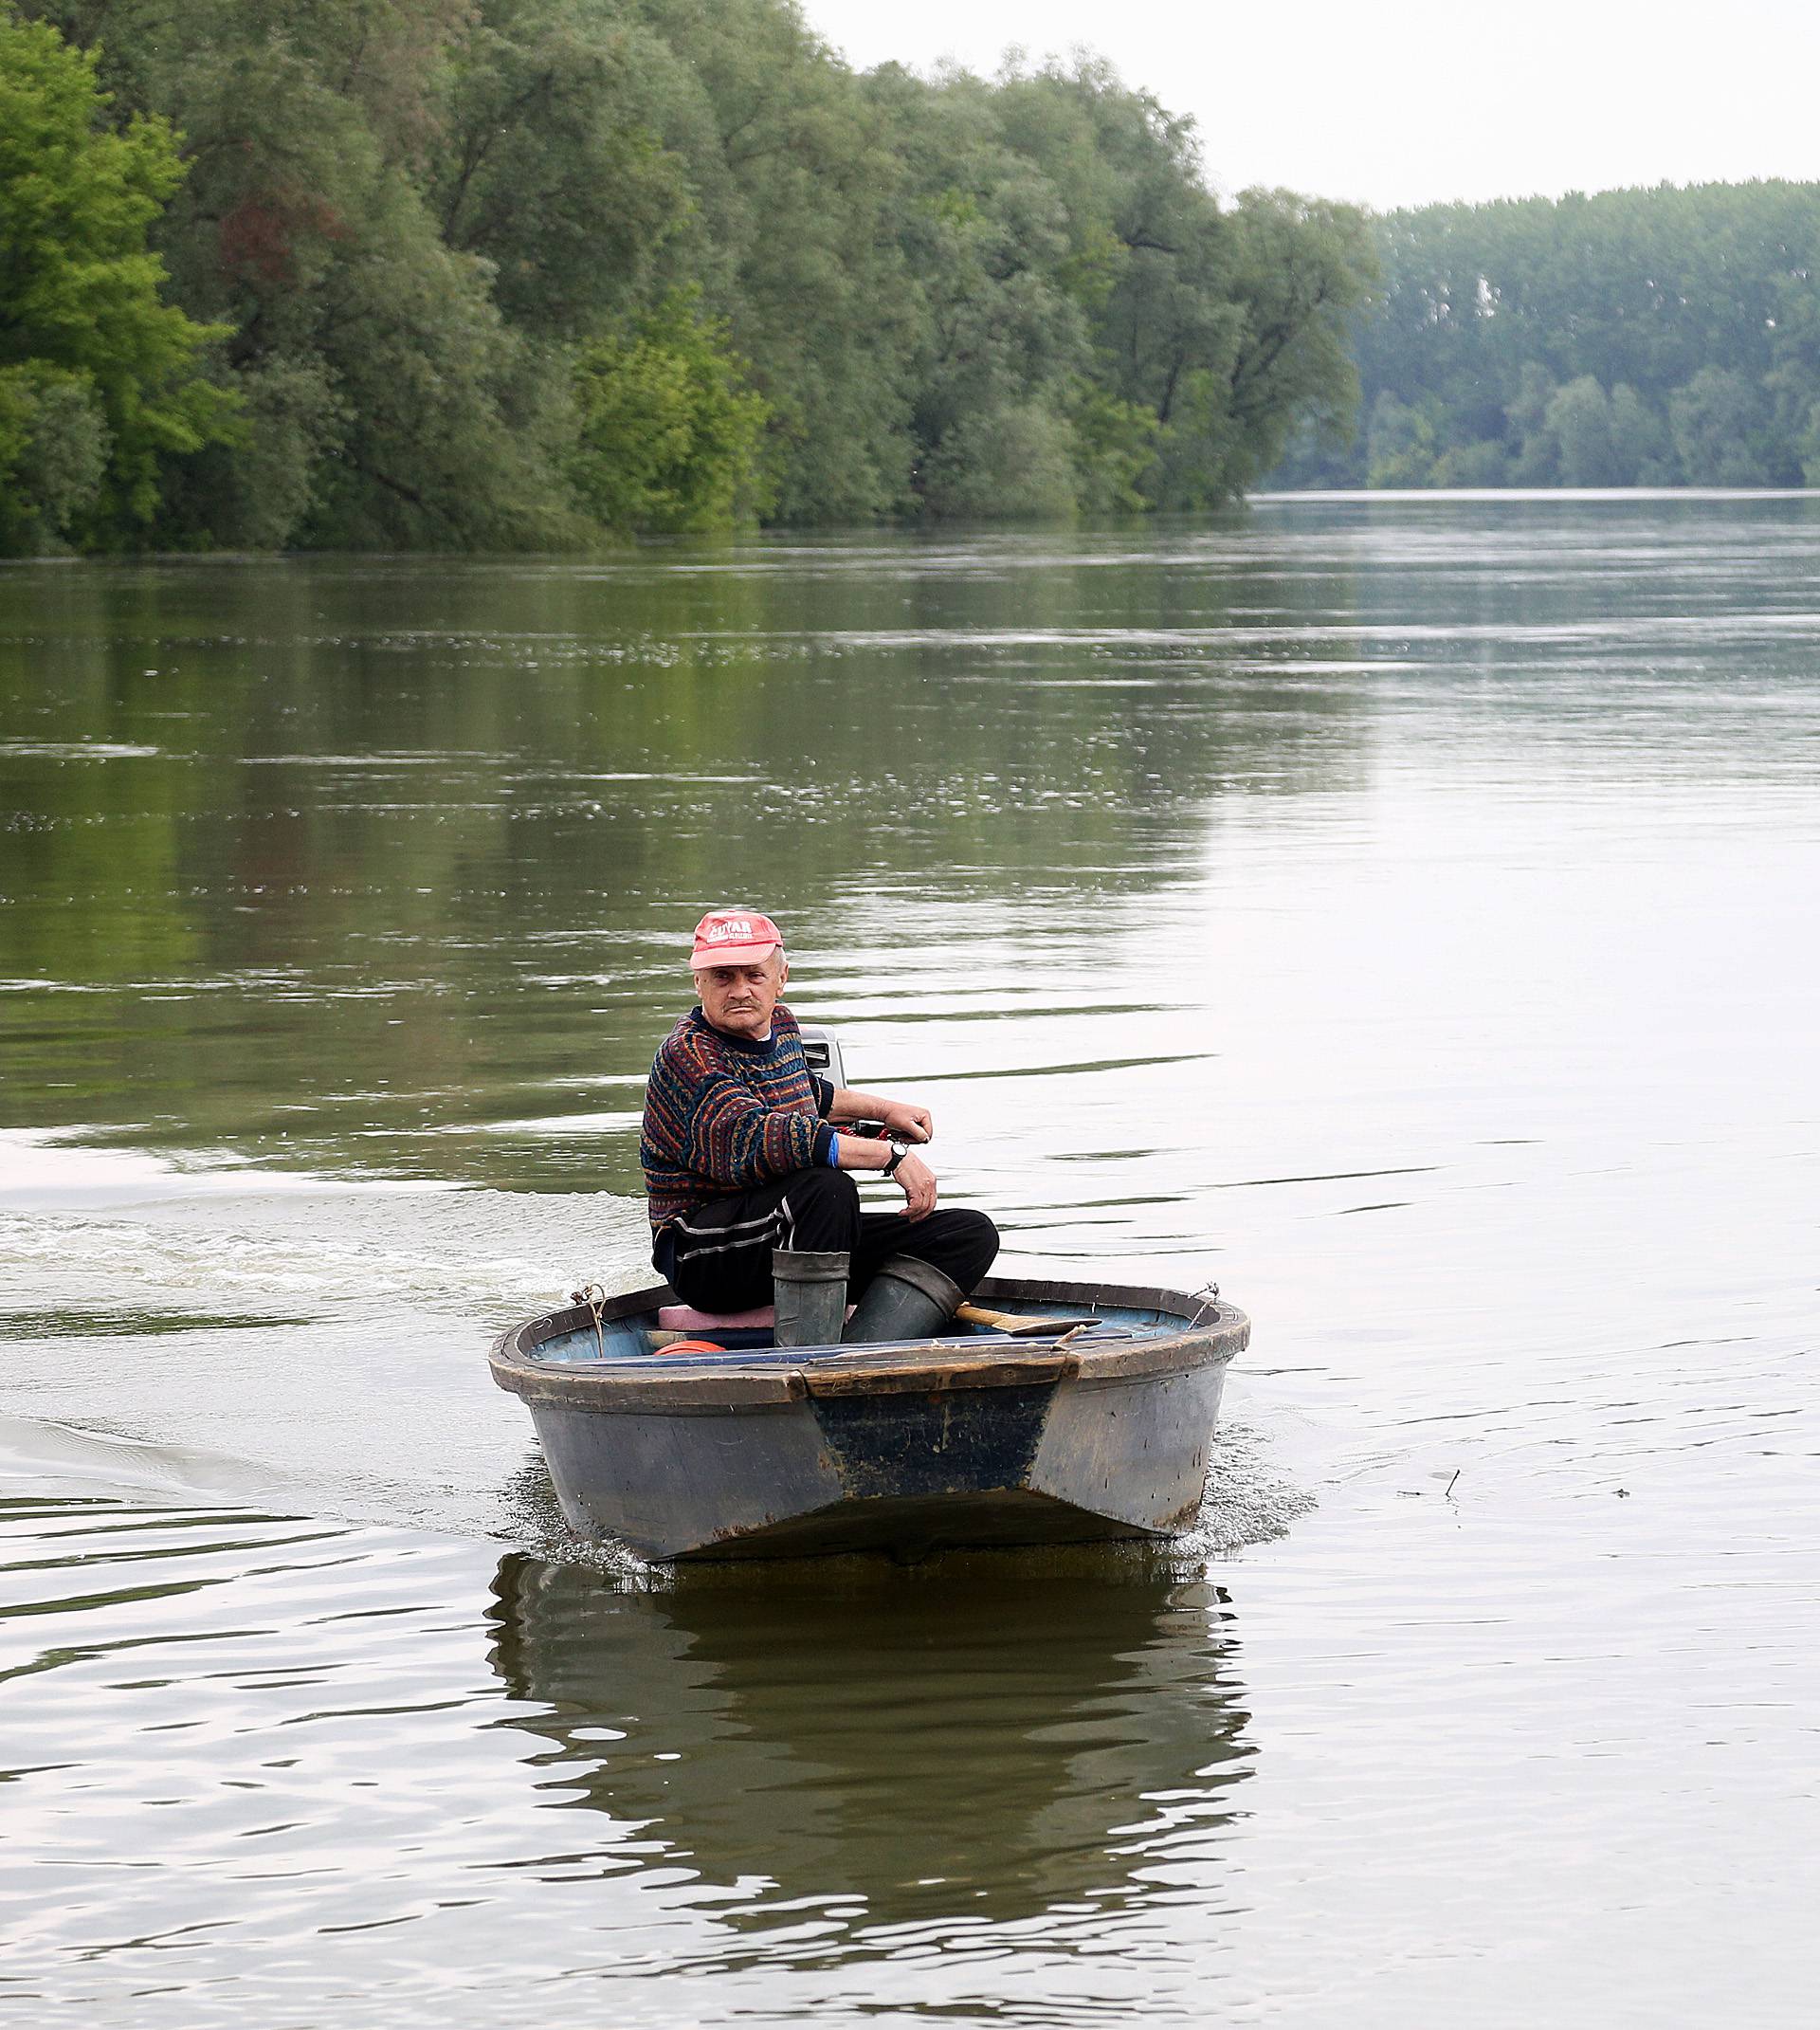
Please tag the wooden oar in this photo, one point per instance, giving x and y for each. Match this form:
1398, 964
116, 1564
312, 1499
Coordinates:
1020, 1328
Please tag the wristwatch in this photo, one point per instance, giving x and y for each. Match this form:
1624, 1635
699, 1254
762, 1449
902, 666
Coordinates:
898, 1154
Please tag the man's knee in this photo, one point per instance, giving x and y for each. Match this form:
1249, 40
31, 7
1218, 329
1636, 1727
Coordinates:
963, 1244
823, 1185
976, 1244
823, 1210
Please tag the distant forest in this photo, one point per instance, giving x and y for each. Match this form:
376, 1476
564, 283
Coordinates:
1640, 338
496, 274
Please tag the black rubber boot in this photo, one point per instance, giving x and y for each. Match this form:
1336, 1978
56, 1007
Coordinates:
907, 1299
810, 1288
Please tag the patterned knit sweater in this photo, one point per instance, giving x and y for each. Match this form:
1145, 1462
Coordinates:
722, 1114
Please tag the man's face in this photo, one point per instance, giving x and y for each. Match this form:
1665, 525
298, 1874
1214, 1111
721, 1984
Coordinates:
738, 999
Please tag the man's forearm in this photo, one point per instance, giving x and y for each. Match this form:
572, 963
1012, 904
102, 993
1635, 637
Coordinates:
860, 1152
903, 1122
847, 1106
902, 1118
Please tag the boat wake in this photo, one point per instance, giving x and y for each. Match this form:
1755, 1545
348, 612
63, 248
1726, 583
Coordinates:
1249, 1498
311, 1346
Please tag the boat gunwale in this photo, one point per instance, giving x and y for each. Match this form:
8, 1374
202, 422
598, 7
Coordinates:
1212, 1333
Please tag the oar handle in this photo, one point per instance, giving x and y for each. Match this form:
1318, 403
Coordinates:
976, 1315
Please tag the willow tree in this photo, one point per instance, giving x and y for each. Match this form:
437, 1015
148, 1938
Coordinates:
669, 431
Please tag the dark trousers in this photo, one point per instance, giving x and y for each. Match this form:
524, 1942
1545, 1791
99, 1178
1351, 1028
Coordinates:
720, 1258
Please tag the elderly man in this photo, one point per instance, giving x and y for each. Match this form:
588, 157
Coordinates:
751, 1187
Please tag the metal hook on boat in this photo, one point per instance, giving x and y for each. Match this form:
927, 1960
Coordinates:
1207, 1298
594, 1297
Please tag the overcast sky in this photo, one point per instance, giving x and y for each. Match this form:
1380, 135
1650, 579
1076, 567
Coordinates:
1407, 102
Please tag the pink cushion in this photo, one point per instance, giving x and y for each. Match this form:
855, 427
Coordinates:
685, 1318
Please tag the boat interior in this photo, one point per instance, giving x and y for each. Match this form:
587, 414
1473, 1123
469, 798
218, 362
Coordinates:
705, 1341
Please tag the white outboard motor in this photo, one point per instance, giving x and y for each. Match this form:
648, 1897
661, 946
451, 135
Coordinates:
823, 1050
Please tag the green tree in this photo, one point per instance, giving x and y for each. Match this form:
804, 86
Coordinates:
1400, 448
387, 402
1807, 446
53, 455
102, 383
1578, 418
669, 434
796, 183
1014, 459
1640, 443
1537, 463
1226, 327
1718, 422
1482, 463
1302, 267
1115, 445
1001, 339
550, 160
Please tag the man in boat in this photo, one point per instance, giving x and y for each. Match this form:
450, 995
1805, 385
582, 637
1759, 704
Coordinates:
752, 1188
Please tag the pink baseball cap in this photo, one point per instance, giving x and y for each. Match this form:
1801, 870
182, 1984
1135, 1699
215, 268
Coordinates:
733, 936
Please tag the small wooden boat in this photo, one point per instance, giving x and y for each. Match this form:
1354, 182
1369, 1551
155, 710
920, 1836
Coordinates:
985, 1436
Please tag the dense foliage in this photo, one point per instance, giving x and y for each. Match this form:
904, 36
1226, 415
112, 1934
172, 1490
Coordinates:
491, 273
1637, 338
97, 378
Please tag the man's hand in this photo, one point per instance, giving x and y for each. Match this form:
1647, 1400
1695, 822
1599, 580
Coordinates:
919, 1183
909, 1123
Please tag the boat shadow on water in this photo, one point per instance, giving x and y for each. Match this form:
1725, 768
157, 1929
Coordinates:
997, 1739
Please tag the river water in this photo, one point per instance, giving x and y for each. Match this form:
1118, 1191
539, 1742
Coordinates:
1402, 911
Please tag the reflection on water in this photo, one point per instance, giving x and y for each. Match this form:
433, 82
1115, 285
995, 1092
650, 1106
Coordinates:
999, 1740
250, 1760
381, 865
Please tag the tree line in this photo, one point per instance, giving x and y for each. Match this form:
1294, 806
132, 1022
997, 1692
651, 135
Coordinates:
1660, 337
527, 273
